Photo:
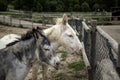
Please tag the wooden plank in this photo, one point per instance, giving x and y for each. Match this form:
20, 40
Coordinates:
87, 63
85, 26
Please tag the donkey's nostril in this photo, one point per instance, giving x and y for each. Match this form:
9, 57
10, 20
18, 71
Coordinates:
80, 49
57, 63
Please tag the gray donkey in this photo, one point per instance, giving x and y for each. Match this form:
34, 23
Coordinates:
16, 59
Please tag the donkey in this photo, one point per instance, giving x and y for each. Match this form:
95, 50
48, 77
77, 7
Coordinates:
61, 34
17, 58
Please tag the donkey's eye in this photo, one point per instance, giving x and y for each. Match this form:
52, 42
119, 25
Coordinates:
46, 49
70, 35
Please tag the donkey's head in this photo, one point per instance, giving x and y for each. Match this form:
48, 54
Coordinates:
46, 52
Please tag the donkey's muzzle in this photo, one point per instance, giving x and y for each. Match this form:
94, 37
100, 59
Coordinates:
57, 65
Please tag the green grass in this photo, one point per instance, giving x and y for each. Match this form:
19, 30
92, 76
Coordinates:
77, 66
2, 30
63, 55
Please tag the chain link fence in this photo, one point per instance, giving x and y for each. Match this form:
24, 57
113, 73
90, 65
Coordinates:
100, 52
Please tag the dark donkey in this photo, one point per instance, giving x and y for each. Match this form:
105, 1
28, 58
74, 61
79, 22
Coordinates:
17, 57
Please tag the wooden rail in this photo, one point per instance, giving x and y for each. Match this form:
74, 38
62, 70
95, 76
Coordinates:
87, 63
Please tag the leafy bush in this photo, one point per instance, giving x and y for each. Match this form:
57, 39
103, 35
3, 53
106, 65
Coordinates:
39, 7
85, 7
96, 6
76, 7
3, 5
59, 8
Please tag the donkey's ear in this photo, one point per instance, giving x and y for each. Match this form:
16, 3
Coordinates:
33, 29
39, 28
64, 19
35, 35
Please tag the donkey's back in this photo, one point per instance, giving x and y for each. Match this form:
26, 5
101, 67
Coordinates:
10, 66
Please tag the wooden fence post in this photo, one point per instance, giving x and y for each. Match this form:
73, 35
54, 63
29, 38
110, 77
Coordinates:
93, 24
93, 38
32, 22
43, 22
3, 19
11, 21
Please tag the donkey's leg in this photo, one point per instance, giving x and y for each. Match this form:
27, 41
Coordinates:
35, 68
44, 74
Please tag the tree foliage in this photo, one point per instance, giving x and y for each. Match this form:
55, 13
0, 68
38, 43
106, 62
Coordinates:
76, 7
59, 5
85, 7
3, 5
96, 6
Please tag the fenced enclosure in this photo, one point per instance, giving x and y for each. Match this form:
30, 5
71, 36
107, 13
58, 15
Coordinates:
101, 49
16, 22
50, 17
24, 19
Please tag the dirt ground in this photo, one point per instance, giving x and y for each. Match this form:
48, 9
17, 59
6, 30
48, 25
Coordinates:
71, 68
4, 30
113, 31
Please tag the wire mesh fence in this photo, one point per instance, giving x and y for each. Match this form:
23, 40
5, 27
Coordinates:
100, 54
103, 60
101, 49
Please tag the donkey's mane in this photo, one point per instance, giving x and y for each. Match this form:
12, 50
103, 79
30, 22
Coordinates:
12, 43
28, 35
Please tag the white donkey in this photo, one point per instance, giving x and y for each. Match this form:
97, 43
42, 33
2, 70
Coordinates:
60, 34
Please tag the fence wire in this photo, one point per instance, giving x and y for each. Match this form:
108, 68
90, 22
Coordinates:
102, 51
102, 60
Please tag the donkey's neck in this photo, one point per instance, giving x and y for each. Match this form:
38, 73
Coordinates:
24, 50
